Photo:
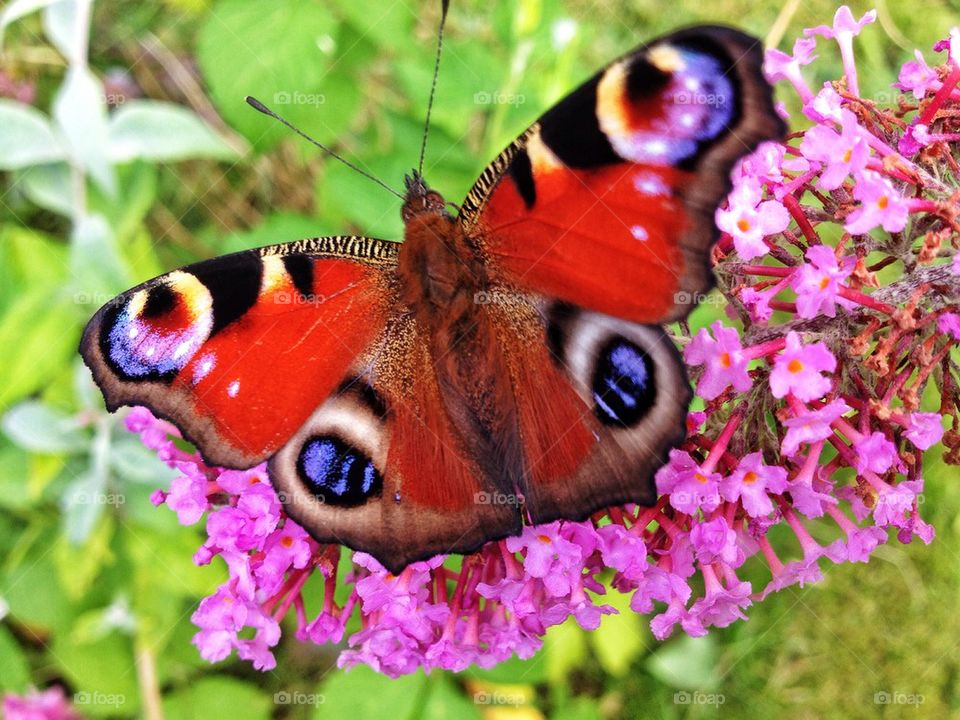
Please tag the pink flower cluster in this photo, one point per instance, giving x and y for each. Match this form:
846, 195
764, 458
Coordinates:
839, 267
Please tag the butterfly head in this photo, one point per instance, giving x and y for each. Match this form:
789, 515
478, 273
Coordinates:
420, 199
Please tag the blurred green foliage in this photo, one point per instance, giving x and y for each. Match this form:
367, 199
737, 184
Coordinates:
139, 155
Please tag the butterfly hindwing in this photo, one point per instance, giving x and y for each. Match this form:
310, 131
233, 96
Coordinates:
607, 201
600, 402
238, 351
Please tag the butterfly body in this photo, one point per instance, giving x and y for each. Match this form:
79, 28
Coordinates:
503, 366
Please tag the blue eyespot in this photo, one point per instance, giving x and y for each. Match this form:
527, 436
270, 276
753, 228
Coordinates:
337, 473
624, 385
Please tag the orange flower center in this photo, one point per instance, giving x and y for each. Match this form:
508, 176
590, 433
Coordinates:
750, 477
824, 283
743, 224
725, 360
795, 366
287, 541
700, 478
847, 155
543, 538
883, 202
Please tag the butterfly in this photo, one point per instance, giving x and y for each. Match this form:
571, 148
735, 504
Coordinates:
503, 366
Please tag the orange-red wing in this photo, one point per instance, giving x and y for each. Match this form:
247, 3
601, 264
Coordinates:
607, 202
238, 351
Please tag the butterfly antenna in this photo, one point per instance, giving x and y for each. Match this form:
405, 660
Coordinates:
259, 106
433, 87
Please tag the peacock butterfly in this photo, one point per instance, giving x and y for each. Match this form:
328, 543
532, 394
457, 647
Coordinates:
501, 366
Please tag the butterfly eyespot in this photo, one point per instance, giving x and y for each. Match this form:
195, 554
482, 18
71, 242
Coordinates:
158, 329
337, 473
624, 383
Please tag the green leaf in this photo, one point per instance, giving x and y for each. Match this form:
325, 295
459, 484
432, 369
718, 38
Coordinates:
565, 649
687, 662
81, 114
83, 502
514, 670
447, 702
31, 586
61, 25
32, 258
79, 565
363, 694
44, 330
161, 131
49, 187
282, 57
18, 9
620, 638
275, 228
132, 461
125, 212
103, 674
218, 697
14, 670
95, 264
387, 24
41, 429
580, 708
27, 138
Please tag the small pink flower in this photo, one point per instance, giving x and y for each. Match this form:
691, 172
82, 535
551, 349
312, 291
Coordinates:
757, 303
875, 453
752, 482
881, 205
748, 219
818, 280
844, 153
844, 29
778, 65
917, 77
188, 496
925, 429
49, 704
690, 487
798, 369
722, 358
811, 426
949, 323
715, 541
